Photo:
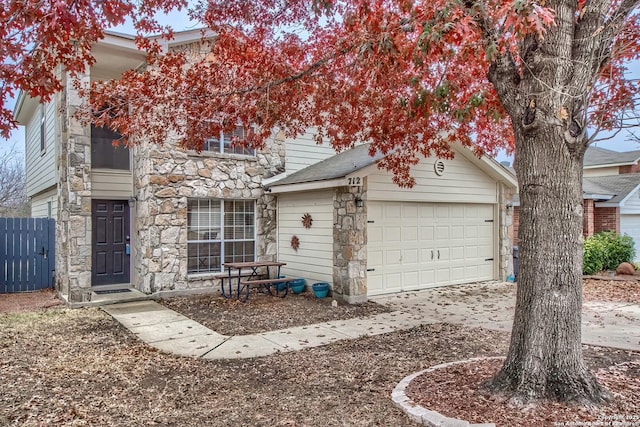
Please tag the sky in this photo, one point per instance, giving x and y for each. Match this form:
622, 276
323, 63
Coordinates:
181, 22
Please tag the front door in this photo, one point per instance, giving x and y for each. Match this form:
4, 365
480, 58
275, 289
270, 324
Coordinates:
110, 237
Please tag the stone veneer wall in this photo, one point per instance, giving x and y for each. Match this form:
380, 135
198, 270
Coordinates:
505, 231
165, 177
349, 245
73, 222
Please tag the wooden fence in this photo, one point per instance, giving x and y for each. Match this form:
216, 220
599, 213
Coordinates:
27, 254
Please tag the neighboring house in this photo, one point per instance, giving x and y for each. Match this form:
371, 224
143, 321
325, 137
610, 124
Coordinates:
162, 219
611, 189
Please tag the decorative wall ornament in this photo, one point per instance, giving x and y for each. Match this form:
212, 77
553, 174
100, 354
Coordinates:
295, 243
307, 220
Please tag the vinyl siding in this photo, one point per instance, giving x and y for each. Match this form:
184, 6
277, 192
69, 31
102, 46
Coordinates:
313, 260
40, 165
303, 151
604, 171
111, 184
632, 204
40, 204
461, 182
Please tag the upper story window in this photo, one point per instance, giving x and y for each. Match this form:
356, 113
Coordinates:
43, 128
104, 154
229, 143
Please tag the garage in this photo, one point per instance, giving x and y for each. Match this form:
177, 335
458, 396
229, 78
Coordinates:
630, 225
414, 246
451, 226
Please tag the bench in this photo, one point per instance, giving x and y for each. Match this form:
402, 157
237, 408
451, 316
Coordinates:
224, 277
267, 284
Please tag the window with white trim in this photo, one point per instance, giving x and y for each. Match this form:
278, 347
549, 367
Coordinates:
229, 143
219, 231
43, 128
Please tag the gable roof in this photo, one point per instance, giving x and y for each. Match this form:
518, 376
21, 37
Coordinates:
618, 186
334, 167
335, 170
599, 157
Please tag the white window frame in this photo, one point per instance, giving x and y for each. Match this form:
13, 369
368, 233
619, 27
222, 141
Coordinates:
43, 130
220, 237
222, 144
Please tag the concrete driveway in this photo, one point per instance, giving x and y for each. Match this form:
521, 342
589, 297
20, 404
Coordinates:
491, 305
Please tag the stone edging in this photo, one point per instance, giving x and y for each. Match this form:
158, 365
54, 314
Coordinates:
423, 415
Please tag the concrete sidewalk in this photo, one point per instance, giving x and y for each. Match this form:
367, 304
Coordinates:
487, 305
174, 333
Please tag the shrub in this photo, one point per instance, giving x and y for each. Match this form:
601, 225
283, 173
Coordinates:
605, 251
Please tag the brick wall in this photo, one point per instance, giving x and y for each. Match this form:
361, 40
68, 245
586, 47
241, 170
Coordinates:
606, 219
595, 220
588, 227
629, 169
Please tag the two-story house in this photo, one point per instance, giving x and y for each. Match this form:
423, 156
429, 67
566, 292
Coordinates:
162, 219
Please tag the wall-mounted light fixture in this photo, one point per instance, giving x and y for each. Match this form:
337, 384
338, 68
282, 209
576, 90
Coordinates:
132, 201
359, 202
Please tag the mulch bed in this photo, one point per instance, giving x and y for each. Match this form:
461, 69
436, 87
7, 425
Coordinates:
262, 312
456, 391
621, 289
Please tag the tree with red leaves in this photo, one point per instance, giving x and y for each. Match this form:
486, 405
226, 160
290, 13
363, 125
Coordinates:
411, 77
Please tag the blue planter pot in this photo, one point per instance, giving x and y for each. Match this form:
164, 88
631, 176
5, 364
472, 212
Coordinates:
321, 290
297, 286
280, 286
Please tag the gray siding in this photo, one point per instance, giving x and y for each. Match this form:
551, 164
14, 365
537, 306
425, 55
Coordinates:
303, 151
40, 204
40, 165
111, 184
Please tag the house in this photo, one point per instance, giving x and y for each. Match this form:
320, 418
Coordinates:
611, 191
165, 220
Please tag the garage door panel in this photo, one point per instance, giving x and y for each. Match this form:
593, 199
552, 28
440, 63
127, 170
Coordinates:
409, 234
630, 225
410, 256
442, 232
458, 252
405, 239
426, 233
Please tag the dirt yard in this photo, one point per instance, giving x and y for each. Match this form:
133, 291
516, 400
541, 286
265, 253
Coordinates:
79, 367
263, 312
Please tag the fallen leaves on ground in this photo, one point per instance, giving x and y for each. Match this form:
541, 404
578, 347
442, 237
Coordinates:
624, 291
263, 312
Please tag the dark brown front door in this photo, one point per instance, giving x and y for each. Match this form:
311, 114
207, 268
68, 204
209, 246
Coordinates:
110, 237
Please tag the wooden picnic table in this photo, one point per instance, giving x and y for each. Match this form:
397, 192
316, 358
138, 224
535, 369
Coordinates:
246, 281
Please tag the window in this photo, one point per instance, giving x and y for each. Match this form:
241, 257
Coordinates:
103, 153
43, 136
225, 143
219, 231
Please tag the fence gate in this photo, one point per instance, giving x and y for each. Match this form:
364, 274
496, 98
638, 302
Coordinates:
27, 254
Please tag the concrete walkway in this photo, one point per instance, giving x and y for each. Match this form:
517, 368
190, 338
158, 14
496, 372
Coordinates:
487, 305
174, 333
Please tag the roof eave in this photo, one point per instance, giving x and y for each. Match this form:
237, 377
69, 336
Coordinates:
307, 186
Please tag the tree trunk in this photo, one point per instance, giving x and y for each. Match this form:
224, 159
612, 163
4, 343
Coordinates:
545, 355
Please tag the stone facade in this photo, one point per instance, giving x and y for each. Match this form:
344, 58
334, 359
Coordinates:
73, 222
350, 245
165, 178
505, 231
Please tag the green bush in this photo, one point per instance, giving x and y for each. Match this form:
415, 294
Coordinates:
605, 251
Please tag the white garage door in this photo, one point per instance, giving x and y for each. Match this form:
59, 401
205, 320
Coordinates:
412, 246
630, 225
